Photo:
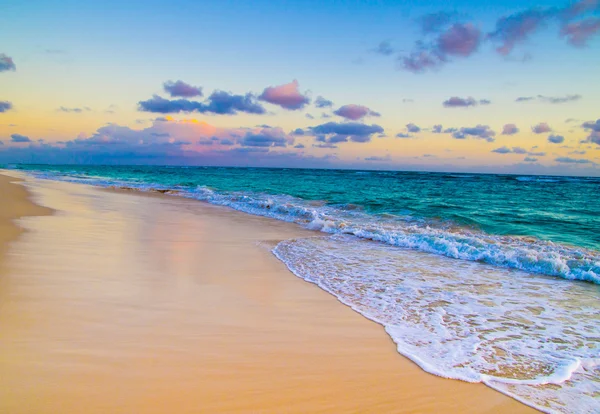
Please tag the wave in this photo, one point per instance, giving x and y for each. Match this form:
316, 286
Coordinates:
533, 338
523, 253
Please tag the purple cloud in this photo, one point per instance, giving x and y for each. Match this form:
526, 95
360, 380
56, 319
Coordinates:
530, 159
287, 96
384, 48
502, 150
413, 128
219, 102
5, 106
422, 60
569, 160
437, 129
6, 63
267, 137
516, 150
550, 99
556, 139
353, 131
321, 102
579, 8
510, 129
73, 110
594, 128
355, 112
578, 33
378, 159
541, 128
434, 22
19, 138
516, 28
403, 135
459, 40
457, 102
182, 89
479, 131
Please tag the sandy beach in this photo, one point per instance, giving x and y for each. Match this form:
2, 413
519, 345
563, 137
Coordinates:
122, 302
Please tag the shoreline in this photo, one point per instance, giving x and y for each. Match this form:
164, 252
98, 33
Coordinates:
16, 204
278, 343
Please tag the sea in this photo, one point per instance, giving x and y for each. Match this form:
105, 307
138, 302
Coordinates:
475, 277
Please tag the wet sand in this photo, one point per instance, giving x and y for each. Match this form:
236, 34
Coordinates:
130, 303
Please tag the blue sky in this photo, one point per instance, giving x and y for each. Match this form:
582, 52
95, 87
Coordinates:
98, 61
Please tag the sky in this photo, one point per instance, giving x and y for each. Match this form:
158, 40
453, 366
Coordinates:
457, 85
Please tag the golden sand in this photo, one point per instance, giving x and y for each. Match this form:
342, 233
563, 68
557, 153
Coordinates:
128, 303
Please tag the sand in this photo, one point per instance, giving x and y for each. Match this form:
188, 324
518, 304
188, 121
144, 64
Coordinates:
129, 303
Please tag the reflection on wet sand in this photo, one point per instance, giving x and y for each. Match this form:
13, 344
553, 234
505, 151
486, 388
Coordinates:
128, 303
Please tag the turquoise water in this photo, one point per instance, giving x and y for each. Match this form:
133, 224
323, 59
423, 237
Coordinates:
548, 225
481, 278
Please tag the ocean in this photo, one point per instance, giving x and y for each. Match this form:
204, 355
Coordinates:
481, 278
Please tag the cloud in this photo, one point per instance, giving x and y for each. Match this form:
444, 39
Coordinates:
287, 96
219, 102
5, 106
550, 99
556, 139
298, 131
579, 32
569, 160
19, 138
517, 28
182, 89
403, 135
434, 22
378, 159
437, 129
355, 112
459, 40
530, 159
502, 150
516, 150
421, 60
267, 137
594, 128
509, 129
413, 128
457, 102
6, 63
321, 102
541, 128
352, 131
299, 146
384, 48
479, 131
73, 110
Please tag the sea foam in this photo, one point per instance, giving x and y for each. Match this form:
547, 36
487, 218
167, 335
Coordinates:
534, 338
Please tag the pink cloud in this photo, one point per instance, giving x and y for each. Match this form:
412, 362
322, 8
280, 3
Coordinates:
355, 112
460, 40
287, 96
579, 32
